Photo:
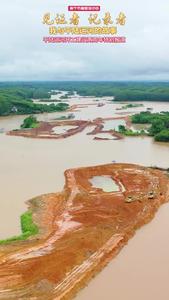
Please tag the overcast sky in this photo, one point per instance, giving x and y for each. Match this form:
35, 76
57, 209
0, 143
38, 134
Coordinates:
145, 56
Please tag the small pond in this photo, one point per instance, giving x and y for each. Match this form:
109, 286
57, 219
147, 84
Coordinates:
106, 183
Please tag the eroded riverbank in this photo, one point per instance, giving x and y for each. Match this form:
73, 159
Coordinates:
87, 225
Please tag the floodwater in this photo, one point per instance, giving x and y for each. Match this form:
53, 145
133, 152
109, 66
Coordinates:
138, 127
141, 269
105, 183
62, 129
113, 124
30, 167
105, 136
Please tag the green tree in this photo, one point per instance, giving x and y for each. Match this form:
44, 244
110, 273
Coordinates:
162, 136
157, 126
30, 122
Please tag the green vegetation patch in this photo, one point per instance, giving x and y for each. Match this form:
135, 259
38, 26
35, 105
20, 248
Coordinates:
30, 122
162, 136
17, 100
28, 227
131, 106
159, 124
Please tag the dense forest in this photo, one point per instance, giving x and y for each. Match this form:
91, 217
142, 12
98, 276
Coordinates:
16, 97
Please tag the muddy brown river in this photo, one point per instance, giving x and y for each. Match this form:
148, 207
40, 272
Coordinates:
30, 167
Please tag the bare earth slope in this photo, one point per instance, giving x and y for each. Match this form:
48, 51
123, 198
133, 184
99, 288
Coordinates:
81, 230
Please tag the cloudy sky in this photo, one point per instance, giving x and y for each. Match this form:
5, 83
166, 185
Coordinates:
23, 55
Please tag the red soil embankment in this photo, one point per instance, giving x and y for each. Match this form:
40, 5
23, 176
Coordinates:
81, 229
45, 130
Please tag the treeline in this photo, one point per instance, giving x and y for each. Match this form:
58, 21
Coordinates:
16, 97
159, 124
25, 91
18, 100
122, 91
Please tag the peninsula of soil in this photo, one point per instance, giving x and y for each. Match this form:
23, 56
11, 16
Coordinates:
80, 230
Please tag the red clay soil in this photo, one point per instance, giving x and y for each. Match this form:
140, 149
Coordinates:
81, 230
100, 125
45, 129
